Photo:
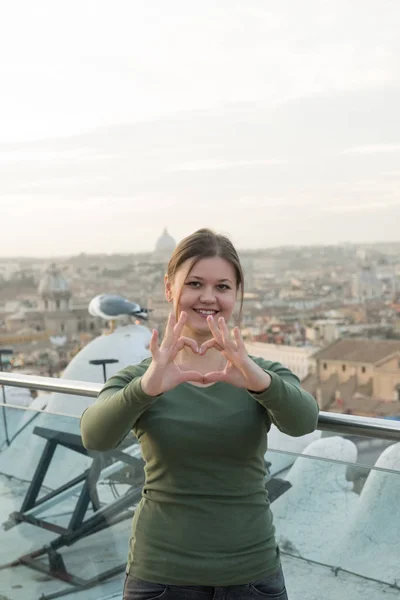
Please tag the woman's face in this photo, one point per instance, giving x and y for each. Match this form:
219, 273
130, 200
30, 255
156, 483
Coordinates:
210, 287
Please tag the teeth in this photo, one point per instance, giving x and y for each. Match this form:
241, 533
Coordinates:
207, 312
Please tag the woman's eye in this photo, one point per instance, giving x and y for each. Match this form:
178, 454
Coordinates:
197, 284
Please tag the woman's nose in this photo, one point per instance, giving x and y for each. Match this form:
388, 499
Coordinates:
207, 296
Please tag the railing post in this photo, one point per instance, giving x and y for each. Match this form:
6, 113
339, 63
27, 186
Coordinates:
4, 351
5, 416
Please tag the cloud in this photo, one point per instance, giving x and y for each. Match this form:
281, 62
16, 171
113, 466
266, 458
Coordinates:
366, 207
52, 156
372, 149
214, 164
223, 53
276, 202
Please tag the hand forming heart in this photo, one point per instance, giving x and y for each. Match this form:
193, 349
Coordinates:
164, 374
240, 370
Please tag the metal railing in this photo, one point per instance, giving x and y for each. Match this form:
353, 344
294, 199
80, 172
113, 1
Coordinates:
333, 422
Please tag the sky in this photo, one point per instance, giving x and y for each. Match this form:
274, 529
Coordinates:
275, 123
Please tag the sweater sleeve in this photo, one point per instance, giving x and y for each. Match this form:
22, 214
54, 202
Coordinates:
119, 405
293, 410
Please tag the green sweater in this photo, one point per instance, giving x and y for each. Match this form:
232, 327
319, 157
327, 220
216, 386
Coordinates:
204, 516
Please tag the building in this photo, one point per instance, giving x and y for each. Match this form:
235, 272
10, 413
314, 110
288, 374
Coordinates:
358, 375
366, 285
164, 247
54, 291
323, 331
54, 315
298, 359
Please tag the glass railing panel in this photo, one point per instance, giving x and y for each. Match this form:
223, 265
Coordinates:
367, 449
337, 526
339, 516
11, 421
53, 496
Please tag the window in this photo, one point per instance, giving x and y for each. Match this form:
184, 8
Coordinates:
363, 369
62, 327
325, 366
57, 304
398, 392
343, 368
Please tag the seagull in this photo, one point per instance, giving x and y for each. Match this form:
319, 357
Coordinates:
111, 308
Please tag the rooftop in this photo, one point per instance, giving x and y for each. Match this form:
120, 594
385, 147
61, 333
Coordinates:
356, 350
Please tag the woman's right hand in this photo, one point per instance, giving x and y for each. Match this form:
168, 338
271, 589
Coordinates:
163, 373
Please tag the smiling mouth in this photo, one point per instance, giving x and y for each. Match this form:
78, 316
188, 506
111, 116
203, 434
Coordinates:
205, 313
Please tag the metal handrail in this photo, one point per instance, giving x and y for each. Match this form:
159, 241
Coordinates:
333, 422
51, 384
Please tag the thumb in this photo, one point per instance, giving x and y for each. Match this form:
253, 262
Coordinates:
191, 376
214, 376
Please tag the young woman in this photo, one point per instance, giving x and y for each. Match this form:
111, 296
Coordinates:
201, 408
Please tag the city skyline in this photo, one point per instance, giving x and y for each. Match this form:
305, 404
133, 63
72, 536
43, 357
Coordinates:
376, 245
275, 125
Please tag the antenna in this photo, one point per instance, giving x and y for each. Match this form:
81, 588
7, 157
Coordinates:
103, 362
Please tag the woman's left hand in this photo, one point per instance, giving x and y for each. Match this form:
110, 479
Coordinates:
240, 370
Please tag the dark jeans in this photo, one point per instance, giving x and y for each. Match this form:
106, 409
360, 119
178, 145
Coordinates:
272, 588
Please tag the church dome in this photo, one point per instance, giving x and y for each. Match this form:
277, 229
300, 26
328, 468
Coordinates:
165, 244
53, 285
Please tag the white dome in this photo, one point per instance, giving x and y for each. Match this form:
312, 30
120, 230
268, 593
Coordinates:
53, 284
165, 243
129, 345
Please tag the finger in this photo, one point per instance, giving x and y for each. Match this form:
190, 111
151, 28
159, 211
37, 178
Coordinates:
210, 344
214, 329
180, 324
191, 376
153, 343
238, 339
169, 331
170, 326
186, 341
214, 376
225, 333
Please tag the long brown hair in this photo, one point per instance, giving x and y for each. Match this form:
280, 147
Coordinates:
205, 243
